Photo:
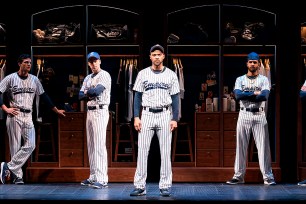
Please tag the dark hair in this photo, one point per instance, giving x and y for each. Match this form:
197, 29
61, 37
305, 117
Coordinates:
22, 57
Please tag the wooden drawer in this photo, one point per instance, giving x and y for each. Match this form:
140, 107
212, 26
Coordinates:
72, 121
71, 140
230, 121
207, 158
207, 121
229, 139
208, 140
229, 157
72, 157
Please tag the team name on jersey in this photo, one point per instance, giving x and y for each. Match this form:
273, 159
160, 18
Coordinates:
253, 88
157, 85
18, 90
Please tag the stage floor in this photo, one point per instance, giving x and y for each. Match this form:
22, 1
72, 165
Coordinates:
182, 192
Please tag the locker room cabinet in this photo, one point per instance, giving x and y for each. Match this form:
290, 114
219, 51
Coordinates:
211, 43
59, 47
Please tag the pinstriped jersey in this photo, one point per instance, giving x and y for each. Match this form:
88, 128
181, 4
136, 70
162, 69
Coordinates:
21, 92
156, 88
91, 81
260, 83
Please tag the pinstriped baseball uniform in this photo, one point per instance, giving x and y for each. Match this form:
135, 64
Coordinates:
254, 122
96, 124
156, 89
21, 95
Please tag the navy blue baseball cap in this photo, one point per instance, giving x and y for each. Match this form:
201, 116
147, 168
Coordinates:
253, 56
93, 55
157, 47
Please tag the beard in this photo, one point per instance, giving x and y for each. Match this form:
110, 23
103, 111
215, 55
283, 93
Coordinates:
253, 69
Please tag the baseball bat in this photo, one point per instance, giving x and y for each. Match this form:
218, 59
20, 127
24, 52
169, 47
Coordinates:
38, 62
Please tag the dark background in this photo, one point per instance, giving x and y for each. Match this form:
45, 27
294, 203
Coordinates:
17, 16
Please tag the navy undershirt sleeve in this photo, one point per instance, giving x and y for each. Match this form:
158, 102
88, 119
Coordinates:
137, 103
175, 107
244, 95
82, 95
263, 96
47, 100
1, 99
93, 92
303, 95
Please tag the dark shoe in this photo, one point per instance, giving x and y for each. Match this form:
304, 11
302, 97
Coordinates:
99, 185
18, 181
165, 192
5, 172
302, 183
86, 182
269, 182
235, 181
138, 192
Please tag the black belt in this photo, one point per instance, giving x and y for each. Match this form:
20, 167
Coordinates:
24, 110
155, 110
253, 110
94, 107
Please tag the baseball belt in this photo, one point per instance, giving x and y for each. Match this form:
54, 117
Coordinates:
155, 110
24, 110
95, 107
253, 110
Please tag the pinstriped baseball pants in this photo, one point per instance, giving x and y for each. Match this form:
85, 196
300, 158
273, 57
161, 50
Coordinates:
151, 123
96, 124
257, 124
20, 127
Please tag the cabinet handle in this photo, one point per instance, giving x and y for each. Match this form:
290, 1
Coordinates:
208, 136
235, 118
208, 118
71, 118
71, 154
72, 136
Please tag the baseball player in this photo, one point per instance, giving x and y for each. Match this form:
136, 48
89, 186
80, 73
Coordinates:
303, 98
252, 90
96, 90
22, 87
157, 91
